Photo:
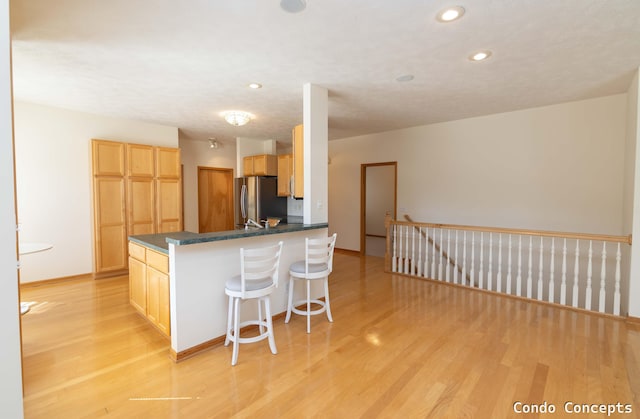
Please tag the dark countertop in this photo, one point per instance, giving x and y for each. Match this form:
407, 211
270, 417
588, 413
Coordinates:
160, 242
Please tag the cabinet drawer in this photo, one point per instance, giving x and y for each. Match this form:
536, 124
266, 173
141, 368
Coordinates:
158, 261
136, 251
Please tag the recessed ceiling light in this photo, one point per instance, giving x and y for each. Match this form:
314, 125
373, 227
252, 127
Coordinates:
293, 6
404, 78
450, 14
255, 85
480, 55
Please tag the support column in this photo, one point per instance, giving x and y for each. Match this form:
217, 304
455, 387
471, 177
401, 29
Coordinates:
316, 153
10, 350
633, 140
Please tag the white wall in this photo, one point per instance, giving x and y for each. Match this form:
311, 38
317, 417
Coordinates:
53, 176
631, 214
558, 167
10, 356
198, 153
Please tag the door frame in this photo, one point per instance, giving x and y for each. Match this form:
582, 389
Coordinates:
363, 198
221, 170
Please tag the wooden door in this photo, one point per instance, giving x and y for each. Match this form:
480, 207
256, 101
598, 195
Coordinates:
215, 199
138, 285
298, 161
285, 170
107, 158
167, 162
140, 160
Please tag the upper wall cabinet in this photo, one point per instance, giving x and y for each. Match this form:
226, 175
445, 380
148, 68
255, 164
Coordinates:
298, 161
261, 165
285, 171
108, 158
140, 160
167, 163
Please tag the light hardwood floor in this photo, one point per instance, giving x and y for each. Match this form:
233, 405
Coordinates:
398, 347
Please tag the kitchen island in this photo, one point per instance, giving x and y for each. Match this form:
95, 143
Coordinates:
198, 267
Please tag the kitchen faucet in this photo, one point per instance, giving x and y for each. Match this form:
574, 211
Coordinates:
250, 221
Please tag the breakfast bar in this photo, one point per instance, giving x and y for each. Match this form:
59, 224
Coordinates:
198, 267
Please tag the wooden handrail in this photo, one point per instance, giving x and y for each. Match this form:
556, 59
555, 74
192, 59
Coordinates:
540, 233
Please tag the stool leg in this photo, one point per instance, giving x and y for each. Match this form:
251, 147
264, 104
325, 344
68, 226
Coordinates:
272, 342
290, 304
326, 299
308, 306
229, 320
236, 331
260, 318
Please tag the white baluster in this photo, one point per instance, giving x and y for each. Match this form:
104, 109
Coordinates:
433, 255
587, 298
455, 270
394, 260
529, 279
490, 273
413, 250
552, 270
563, 284
603, 275
499, 275
426, 253
481, 272
463, 280
519, 276
419, 251
540, 267
448, 255
441, 256
406, 250
576, 275
509, 268
472, 279
616, 293
400, 262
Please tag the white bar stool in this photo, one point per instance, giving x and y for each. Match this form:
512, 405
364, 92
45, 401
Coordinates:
257, 280
318, 264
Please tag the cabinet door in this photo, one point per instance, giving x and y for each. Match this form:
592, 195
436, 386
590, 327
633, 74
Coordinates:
168, 205
140, 161
107, 158
298, 162
285, 170
140, 206
110, 224
158, 299
247, 166
138, 285
167, 162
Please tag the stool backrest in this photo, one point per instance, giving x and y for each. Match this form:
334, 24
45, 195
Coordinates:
320, 251
259, 264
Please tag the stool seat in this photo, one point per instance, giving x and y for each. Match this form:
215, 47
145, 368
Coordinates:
257, 279
317, 265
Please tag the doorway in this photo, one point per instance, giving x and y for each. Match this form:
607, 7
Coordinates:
378, 195
215, 199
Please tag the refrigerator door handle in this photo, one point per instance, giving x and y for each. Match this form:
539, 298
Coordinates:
243, 201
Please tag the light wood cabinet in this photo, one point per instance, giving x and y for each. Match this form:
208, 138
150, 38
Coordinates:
285, 171
261, 165
298, 161
137, 190
110, 228
149, 285
137, 279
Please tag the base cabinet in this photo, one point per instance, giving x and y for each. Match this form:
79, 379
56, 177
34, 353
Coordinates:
149, 285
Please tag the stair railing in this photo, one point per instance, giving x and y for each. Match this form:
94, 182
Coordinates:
579, 270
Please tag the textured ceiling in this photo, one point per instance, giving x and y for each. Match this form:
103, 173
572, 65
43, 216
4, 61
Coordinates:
181, 63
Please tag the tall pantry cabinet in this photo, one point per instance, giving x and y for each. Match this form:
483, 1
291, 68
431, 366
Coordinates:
137, 189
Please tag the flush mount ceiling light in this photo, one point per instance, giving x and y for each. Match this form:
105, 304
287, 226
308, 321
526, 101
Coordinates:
213, 143
293, 6
480, 55
255, 85
237, 118
450, 14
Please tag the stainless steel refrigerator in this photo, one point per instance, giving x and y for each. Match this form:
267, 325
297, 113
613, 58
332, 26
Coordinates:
256, 197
